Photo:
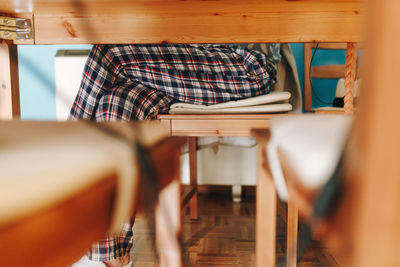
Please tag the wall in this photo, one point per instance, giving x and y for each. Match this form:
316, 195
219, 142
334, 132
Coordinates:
37, 83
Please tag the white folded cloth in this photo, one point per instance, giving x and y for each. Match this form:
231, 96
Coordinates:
257, 104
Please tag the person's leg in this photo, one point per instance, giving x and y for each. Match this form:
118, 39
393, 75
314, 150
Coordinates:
114, 250
106, 95
197, 74
128, 82
122, 261
127, 102
98, 77
132, 101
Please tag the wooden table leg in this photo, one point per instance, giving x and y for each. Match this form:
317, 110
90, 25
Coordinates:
9, 81
194, 210
265, 215
291, 241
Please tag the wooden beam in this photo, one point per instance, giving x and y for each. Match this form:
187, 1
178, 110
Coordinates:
330, 46
216, 128
307, 80
194, 21
266, 215
9, 81
328, 71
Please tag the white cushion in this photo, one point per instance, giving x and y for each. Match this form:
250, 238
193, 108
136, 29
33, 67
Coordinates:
341, 89
312, 145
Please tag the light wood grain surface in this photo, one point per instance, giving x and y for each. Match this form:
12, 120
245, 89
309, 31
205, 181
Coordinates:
192, 21
373, 170
216, 125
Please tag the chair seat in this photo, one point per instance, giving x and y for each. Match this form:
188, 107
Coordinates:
312, 145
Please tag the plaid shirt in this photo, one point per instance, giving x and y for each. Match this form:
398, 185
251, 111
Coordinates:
129, 82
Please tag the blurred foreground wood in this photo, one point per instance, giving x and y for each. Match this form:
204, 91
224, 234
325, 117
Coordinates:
369, 223
63, 232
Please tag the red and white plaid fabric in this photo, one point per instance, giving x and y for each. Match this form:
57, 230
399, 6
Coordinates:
130, 82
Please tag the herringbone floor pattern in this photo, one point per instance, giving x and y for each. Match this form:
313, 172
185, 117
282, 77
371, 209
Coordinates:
223, 236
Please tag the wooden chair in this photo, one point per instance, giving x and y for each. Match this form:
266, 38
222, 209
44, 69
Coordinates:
241, 125
57, 232
267, 207
300, 139
194, 126
328, 72
364, 229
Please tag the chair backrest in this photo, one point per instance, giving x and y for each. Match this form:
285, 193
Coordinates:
320, 72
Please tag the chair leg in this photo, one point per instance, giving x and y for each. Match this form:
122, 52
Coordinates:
265, 216
194, 210
291, 241
168, 226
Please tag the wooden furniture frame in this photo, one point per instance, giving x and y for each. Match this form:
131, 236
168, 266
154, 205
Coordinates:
321, 72
193, 21
365, 229
194, 126
265, 190
241, 125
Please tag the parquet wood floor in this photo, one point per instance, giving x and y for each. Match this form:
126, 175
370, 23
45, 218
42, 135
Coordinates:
223, 236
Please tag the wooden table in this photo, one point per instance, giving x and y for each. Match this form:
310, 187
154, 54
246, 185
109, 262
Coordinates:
173, 21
